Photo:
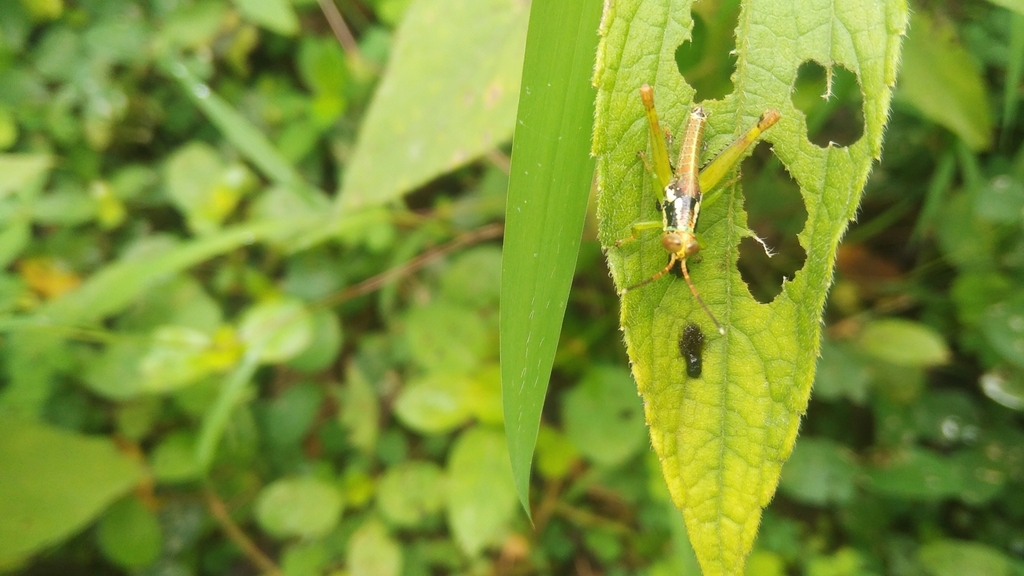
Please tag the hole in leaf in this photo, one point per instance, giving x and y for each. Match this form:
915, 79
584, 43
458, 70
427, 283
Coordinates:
776, 213
834, 107
707, 60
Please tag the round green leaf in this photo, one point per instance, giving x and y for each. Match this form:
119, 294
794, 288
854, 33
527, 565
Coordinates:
1003, 325
947, 416
819, 471
1001, 199
604, 417
960, 558
129, 534
287, 418
410, 492
840, 374
181, 301
305, 507
485, 395
174, 459
175, 359
1005, 387
556, 454
915, 474
114, 373
904, 343
274, 15
481, 496
983, 476
372, 552
435, 404
474, 277
325, 346
446, 337
279, 329
306, 558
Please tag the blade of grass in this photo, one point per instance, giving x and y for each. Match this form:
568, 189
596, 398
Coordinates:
118, 284
215, 421
1014, 69
252, 143
547, 197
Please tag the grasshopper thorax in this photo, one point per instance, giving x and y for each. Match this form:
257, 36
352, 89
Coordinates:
680, 242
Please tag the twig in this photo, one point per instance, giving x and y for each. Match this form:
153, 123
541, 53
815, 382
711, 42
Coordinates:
487, 232
587, 519
340, 29
547, 505
238, 536
500, 160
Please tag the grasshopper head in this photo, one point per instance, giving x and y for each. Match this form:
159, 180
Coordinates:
681, 243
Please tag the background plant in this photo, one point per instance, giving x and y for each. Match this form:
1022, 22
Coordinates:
220, 349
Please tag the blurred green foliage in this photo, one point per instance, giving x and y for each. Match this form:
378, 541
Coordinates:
198, 378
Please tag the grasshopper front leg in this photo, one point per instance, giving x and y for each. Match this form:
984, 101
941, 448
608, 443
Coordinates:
637, 229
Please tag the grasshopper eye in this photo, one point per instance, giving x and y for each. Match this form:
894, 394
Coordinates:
672, 242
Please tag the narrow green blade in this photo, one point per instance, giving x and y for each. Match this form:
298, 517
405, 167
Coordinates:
547, 199
252, 143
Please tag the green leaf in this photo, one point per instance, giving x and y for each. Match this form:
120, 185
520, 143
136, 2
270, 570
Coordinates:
180, 301
174, 459
21, 170
841, 374
410, 493
305, 507
53, 483
288, 418
904, 343
1015, 5
1014, 68
1001, 199
485, 395
360, 410
962, 558
119, 284
64, 207
175, 359
252, 143
983, 473
114, 372
8, 128
448, 96
556, 455
941, 81
603, 417
372, 552
481, 497
306, 559
278, 329
914, 474
274, 15
129, 534
547, 196
426, 330
321, 65
193, 25
202, 187
13, 239
1003, 325
722, 437
435, 404
820, 471
474, 277
231, 395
